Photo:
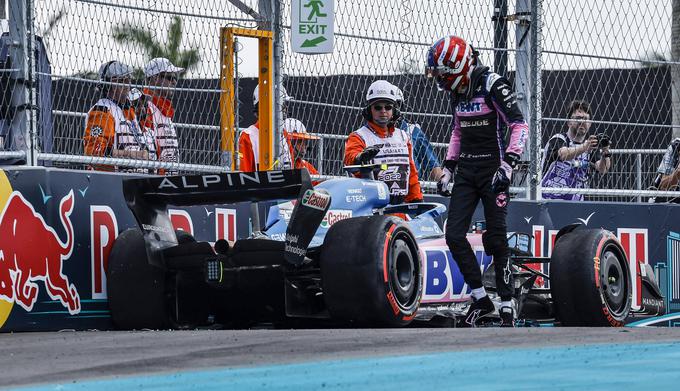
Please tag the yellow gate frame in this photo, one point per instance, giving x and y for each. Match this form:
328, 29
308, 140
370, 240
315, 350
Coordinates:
265, 82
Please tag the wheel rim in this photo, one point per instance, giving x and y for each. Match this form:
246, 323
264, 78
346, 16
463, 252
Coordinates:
403, 273
613, 282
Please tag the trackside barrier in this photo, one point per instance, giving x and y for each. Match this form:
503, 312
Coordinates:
70, 220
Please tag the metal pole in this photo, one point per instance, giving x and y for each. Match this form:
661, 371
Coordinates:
638, 169
278, 96
500, 36
522, 72
237, 107
320, 155
33, 145
535, 174
19, 134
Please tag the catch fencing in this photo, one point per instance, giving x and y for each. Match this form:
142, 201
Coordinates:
619, 56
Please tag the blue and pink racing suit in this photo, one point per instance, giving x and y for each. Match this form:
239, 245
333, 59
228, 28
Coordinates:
478, 146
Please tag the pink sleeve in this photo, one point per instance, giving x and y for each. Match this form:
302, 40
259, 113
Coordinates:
518, 136
454, 145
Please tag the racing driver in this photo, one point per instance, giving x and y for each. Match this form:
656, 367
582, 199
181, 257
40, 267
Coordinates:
378, 141
479, 165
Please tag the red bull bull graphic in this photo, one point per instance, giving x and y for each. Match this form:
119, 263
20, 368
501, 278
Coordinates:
32, 251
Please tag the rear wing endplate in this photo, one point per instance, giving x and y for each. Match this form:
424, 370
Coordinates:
148, 198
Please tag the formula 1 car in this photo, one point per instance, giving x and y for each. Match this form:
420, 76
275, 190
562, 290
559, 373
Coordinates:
339, 253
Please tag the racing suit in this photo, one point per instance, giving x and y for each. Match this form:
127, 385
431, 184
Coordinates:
478, 146
401, 175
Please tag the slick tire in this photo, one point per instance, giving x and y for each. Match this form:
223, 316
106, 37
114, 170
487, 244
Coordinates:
136, 289
371, 271
590, 279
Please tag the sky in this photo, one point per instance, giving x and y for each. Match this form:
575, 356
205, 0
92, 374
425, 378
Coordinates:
81, 41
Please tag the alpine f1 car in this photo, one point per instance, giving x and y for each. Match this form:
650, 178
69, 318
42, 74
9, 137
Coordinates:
338, 252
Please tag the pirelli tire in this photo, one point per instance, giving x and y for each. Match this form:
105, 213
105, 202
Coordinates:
136, 289
371, 271
590, 279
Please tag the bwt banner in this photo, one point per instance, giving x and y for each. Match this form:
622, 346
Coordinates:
57, 228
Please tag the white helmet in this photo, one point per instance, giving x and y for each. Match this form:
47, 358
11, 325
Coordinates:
295, 129
400, 96
381, 90
256, 95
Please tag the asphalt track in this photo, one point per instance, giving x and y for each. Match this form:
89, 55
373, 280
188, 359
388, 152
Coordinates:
375, 359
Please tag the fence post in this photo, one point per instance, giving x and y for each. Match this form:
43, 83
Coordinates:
320, 161
500, 36
522, 73
638, 169
21, 132
534, 182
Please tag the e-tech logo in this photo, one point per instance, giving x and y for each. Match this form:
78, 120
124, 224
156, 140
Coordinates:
32, 251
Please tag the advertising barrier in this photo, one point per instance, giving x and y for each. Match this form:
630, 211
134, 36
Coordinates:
57, 228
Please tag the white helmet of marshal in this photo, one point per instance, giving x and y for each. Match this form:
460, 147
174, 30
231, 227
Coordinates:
381, 90
256, 95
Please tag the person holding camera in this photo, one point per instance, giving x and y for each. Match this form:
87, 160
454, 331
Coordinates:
567, 156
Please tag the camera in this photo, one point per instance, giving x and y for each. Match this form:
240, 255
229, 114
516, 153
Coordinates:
603, 141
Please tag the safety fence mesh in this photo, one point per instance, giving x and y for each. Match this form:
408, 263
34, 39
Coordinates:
81, 35
619, 56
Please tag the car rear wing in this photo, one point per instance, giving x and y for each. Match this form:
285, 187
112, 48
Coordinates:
148, 198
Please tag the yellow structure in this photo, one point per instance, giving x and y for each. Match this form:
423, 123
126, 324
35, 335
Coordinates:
266, 90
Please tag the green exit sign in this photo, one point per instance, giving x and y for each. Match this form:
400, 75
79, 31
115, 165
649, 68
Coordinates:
312, 26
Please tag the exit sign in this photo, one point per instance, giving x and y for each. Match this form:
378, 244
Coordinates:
312, 26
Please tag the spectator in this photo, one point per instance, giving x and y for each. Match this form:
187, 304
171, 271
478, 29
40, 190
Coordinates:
140, 104
111, 128
479, 165
423, 154
567, 156
378, 141
294, 146
249, 140
161, 79
669, 169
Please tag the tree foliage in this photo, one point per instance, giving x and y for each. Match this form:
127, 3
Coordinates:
128, 34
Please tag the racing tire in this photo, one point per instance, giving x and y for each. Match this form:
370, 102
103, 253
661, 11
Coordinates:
136, 289
590, 280
371, 271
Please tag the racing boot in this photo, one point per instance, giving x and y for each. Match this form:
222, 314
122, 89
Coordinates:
507, 316
478, 309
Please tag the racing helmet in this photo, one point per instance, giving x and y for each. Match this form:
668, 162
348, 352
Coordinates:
450, 62
256, 95
294, 129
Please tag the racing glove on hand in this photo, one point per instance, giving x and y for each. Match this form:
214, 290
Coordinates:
501, 179
448, 170
367, 154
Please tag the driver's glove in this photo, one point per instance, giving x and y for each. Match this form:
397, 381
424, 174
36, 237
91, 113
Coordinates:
501, 179
367, 154
448, 170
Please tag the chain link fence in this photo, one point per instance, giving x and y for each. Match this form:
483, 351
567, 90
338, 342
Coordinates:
616, 55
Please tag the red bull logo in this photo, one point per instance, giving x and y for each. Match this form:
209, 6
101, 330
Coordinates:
31, 251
